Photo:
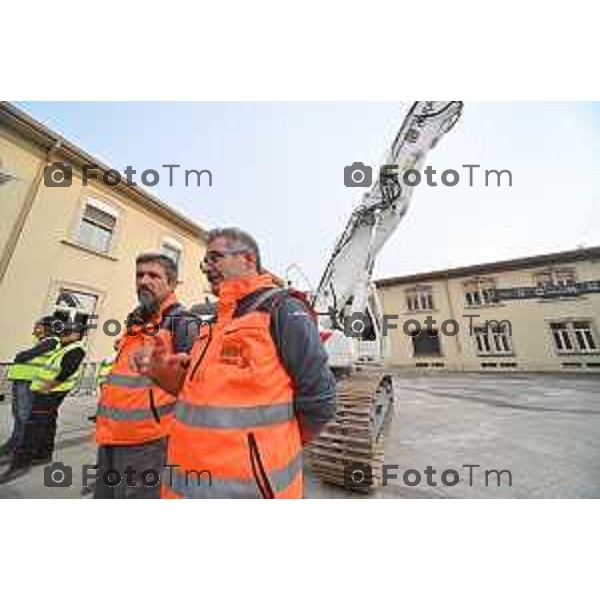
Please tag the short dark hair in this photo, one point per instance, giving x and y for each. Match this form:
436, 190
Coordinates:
236, 237
45, 321
166, 262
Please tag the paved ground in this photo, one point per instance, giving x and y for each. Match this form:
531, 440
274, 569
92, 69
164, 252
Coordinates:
545, 429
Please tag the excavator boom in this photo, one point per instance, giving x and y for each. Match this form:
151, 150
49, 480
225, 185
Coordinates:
352, 443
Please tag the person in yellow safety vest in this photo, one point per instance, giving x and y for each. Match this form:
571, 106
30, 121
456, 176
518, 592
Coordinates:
21, 373
53, 380
103, 370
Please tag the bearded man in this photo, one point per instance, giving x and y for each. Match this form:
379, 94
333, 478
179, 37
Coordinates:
134, 415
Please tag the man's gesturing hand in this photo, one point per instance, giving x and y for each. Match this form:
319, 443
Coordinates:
154, 360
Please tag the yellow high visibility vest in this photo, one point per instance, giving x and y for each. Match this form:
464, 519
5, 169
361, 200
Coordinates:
104, 368
28, 371
51, 369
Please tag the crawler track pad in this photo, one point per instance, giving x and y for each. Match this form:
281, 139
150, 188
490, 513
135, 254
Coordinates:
356, 433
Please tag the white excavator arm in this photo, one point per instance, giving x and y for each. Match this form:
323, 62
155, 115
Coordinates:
346, 286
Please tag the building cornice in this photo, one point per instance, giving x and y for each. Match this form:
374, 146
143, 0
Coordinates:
529, 262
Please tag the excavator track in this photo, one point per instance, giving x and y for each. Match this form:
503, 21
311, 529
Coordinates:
355, 436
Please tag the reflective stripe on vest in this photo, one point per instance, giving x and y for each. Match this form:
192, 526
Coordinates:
104, 369
132, 382
29, 370
231, 417
134, 414
52, 368
197, 485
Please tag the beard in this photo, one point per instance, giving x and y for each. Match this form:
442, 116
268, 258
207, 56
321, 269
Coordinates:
148, 306
148, 301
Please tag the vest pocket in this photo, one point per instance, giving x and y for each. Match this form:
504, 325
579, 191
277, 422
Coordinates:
207, 342
153, 406
258, 470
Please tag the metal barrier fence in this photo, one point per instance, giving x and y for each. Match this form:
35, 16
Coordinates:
86, 384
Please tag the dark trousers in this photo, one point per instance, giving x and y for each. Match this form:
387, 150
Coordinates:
40, 429
125, 465
21, 409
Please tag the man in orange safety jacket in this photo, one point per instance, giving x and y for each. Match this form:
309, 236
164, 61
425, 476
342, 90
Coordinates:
134, 415
255, 386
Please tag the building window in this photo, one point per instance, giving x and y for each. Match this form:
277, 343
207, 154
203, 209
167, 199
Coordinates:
97, 226
555, 277
480, 292
425, 344
172, 249
419, 299
562, 337
493, 340
73, 306
5, 175
574, 337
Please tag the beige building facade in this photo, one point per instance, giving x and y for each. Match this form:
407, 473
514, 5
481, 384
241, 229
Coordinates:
72, 247
540, 313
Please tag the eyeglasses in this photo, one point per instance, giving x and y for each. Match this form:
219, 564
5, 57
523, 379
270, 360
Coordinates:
213, 256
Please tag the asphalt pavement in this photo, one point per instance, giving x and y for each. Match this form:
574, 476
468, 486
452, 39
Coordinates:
530, 435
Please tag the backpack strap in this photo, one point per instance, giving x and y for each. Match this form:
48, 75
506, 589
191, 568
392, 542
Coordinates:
300, 297
271, 298
262, 298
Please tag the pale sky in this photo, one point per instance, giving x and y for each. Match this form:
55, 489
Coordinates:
278, 173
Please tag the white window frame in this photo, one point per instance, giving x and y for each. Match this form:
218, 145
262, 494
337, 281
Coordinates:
489, 342
419, 299
556, 277
583, 340
5, 176
560, 337
73, 311
590, 343
102, 207
480, 292
169, 242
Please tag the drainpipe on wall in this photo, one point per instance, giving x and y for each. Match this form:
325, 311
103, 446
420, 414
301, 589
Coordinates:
15, 234
452, 316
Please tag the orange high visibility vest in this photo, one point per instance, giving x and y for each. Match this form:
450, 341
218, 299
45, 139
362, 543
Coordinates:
131, 410
235, 434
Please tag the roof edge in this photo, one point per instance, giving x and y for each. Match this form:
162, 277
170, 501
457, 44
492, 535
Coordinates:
505, 265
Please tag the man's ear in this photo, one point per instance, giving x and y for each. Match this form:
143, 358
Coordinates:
251, 259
